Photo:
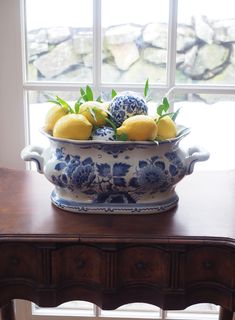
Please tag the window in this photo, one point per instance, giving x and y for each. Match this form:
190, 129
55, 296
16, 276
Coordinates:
84, 310
181, 45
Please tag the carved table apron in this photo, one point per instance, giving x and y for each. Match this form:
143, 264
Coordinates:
172, 259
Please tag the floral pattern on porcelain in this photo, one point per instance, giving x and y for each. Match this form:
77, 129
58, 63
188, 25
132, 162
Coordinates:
127, 104
114, 176
107, 182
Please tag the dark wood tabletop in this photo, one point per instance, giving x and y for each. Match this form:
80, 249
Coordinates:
172, 259
205, 212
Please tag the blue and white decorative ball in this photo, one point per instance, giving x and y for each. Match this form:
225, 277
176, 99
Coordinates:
105, 134
125, 105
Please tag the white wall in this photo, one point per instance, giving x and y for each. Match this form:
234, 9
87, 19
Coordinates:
11, 94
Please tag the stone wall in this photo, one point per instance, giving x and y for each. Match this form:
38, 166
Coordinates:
133, 53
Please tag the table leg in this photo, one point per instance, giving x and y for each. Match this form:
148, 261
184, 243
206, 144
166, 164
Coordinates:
225, 314
7, 311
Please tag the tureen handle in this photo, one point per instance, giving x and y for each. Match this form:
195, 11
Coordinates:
34, 153
195, 154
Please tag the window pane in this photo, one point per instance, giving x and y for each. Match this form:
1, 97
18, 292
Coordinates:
206, 42
134, 310
72, 308
59, 45
134, 41
211, 119
197, 311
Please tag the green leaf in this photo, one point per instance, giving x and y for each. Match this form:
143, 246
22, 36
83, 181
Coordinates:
95, 127
112, 124
109, 113
92, 112
170, 114
54, 101
113, 93
99, 99
163, 107
122, 137
175, 114
77, 106
166, 104
146, 88
148, 98
64, 104
160, 109
83, 93
89, 93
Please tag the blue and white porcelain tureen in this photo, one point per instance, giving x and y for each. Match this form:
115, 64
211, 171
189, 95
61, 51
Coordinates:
114, 176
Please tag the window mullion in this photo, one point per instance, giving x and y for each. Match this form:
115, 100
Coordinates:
97, 311
24, 61
163, 314
210, 89
97, 46
24, 40
172, 37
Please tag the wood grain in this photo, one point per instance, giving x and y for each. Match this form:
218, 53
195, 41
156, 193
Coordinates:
173, 259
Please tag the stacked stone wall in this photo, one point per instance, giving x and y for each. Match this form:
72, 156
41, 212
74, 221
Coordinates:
132, 53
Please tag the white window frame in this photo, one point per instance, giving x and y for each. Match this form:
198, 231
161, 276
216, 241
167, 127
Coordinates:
97, 85
14, 129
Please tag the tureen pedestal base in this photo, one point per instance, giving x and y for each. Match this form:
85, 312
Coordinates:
115, 208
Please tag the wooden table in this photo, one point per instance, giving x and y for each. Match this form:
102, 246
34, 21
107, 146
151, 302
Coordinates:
173, 259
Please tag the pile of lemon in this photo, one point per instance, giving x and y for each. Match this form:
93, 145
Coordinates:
79, 123
77, 126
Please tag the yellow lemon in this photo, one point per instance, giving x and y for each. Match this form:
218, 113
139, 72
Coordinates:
94, 112
166, 128
73, 126
54, 114
139, 128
